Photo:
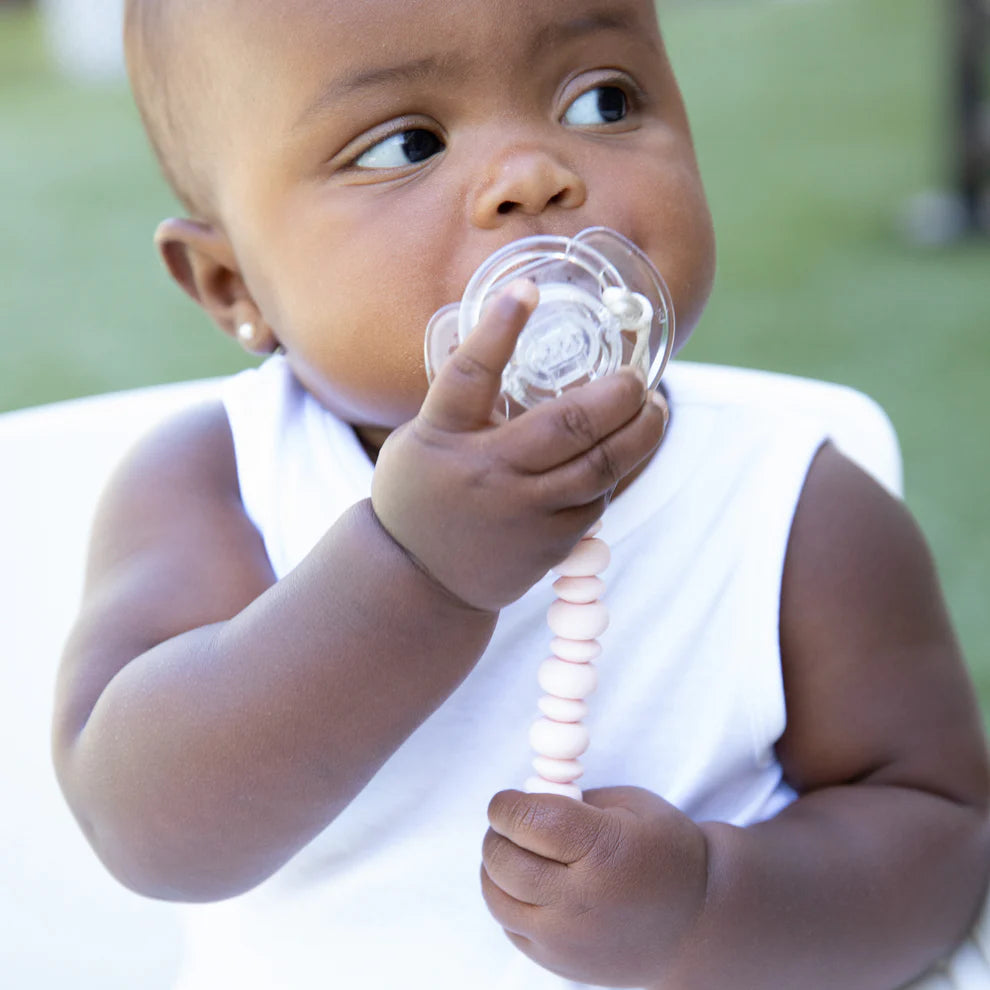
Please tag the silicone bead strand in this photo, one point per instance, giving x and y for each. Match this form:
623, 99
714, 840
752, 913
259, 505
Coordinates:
577, 618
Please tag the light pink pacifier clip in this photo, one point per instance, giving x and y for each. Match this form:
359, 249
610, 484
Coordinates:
577, 618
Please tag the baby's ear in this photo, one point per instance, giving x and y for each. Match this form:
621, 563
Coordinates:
201, 259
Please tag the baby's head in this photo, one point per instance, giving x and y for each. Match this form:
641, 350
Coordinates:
347, 164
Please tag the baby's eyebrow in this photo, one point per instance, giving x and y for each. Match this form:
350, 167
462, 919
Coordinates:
591, 22
448, 67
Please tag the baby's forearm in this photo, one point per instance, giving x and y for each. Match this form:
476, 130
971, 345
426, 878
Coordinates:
213, 757
858, 887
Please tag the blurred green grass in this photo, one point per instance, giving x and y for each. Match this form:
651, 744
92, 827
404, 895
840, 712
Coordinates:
815, 122
86, 305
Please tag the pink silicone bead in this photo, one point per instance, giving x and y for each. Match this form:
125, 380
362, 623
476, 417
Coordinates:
537, 785
587, 558
577, 621
567, 680
558, 771
562, 709
558, 740
579, 590
576, 650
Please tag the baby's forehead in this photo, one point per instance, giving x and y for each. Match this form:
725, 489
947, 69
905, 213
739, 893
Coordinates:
365, 28
354, 35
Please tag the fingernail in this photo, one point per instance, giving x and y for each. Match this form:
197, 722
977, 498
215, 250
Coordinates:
524, 290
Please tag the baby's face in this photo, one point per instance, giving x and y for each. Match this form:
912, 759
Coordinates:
378, 151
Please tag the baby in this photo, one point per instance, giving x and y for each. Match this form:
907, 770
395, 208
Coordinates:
312, 610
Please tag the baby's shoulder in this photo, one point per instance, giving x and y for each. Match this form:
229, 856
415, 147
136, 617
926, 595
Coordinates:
190, 453
174, 503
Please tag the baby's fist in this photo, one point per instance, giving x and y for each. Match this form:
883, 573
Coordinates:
600, 892
487, 510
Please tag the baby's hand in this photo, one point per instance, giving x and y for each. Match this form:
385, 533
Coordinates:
487, 510
602, 892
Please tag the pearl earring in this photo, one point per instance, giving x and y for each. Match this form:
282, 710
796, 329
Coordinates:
246, 332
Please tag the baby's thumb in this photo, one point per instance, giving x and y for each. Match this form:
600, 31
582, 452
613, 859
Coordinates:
464, 391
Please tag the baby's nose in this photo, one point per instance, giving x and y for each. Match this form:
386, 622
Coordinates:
528, 181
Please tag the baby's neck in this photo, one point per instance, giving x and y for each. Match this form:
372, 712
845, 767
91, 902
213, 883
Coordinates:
371, 439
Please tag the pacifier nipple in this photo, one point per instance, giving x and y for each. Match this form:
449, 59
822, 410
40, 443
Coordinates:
570, 337
602, 306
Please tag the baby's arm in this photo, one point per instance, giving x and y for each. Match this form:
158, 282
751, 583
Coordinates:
874, 871
209, 721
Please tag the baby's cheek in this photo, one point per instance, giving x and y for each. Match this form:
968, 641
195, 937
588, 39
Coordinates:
689, 260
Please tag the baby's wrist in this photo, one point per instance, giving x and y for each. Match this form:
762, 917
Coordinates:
416, 566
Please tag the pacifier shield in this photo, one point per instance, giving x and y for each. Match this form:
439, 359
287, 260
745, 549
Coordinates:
603, 305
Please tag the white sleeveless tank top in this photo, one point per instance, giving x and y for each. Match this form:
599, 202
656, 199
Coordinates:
689, 705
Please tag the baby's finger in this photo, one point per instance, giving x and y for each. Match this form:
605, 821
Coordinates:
463, 395
554, 432
516, 917
551, 826
520, 873
594, 473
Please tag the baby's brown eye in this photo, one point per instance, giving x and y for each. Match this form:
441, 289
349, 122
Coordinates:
601, 105
405, 148
420, 145
611, 103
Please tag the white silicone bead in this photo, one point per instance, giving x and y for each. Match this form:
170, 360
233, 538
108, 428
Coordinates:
571, 621
576, 650
579, 590
537, 785
558, 740
562, 709
558, 771
567, 680
589, 557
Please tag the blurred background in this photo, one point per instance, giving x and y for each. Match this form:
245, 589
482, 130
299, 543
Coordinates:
844, 149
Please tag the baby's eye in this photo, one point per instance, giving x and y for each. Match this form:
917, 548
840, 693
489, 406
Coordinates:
601, 105
406, 148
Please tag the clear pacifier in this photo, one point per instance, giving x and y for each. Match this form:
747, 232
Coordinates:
602, 305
